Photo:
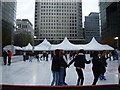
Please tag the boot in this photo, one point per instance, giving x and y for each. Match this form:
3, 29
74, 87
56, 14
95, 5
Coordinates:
101, 77
104, 78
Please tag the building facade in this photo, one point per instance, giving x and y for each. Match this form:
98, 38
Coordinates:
24, 32
57, 19
0, 29
92, 27
24, 25
8, 22
110, 22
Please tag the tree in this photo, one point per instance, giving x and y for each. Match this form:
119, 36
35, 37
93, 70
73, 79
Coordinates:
23, 38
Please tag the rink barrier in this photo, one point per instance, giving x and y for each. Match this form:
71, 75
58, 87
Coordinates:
33, 87
1, 60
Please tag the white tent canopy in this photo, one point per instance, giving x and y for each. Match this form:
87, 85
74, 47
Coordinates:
94, 45
65, 45
44, 46
29, 47
9, 47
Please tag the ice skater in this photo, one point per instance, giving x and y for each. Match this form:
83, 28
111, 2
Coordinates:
5, 57
47, 56
37, 57
103, 65
96, 67
63, 66
30, 57
55, 68
9, 57
44, 55
80, 61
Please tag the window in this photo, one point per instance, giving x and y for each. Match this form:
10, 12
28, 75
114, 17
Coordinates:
24, 26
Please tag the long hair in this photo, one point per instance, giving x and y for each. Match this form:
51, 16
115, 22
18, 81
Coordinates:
57, 51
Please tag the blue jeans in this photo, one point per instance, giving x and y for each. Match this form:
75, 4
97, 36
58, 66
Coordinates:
62, 74
55, 78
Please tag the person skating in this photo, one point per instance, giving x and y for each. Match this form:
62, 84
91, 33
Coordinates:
80, 61
55, 68
5, 57
47, 56
103, 65
24, 56
95, 67
63, 66
9, 57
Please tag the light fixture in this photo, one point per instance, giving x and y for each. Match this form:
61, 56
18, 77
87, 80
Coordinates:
116, 38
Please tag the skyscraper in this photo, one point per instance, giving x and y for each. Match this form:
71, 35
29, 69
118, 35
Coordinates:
8, 22
110, 22
0, 29
92, 27
57, 19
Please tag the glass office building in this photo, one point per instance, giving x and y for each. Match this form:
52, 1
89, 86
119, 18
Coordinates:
110, 22
57, 19
92, 27
8, 22
0, 29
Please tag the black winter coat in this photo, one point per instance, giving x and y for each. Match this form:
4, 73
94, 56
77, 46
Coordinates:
103, 64
62, 62
4, 54
96, 64
80, 61
55, 64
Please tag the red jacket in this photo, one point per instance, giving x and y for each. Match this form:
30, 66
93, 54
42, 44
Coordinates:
9, 54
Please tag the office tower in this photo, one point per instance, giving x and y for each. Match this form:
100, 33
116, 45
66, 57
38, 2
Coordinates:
24, 25
92, 27
0, 29
110, 22
8, 22
57, 19
24, 32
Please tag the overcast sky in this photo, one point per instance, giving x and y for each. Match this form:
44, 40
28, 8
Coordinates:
25, 8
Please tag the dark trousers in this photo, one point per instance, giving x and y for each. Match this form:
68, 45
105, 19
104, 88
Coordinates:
5, 60
9, 61
96, 75
64, 74
80, 76
24, 58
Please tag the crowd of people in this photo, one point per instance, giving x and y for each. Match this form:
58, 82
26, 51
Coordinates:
59, 65
39, 56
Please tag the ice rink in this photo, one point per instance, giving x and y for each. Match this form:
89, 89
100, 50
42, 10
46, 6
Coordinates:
39, 73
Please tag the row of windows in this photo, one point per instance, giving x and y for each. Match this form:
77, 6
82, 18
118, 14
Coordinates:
58, 27
46, 13
57, 10
57, 35
63, 7
67, 21
58, 24
22, 26
56, 17
59, 3
56, 31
